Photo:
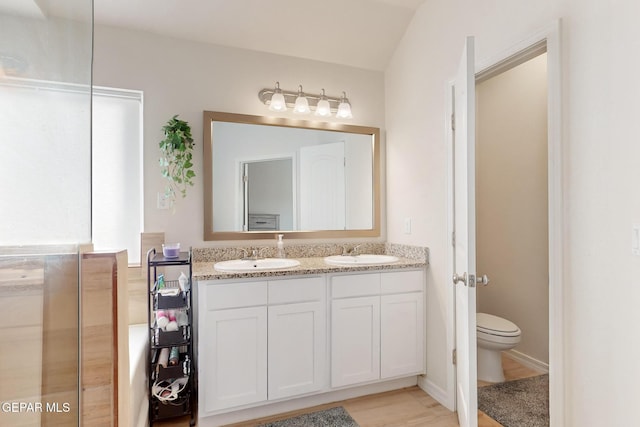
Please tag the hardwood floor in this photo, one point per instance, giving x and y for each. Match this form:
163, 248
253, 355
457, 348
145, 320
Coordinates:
409, 407
405, 407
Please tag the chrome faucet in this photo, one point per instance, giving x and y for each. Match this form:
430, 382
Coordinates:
255, 255
350, 252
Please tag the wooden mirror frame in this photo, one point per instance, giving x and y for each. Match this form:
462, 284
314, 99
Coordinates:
209, 234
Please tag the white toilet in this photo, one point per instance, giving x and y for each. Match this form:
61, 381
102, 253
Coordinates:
494, 335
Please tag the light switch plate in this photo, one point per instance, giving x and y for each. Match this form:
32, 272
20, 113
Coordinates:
163, 201
635, 239
407, 226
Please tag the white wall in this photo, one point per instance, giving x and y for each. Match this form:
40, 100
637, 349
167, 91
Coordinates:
358, 175
512, 245
600, 93
185, 78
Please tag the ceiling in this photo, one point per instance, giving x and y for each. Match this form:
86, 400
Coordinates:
358, 33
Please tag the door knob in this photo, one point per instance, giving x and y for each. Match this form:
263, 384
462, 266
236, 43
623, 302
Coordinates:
482, 280
457, 278
472, 280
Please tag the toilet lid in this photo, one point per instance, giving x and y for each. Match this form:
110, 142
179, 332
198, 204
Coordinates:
495, 325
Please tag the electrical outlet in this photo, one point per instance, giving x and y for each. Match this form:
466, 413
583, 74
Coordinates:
163, 201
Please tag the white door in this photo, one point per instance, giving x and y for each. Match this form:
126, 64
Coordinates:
322, 187
464, 217
355, 340
297, 337
234, 361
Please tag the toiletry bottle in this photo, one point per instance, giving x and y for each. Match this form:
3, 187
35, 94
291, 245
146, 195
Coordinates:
280, 247
183, 281
174, 356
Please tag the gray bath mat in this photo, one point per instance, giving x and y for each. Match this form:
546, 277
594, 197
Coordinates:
519, 403
333, 417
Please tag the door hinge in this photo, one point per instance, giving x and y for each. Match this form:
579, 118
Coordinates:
454, 356
453, 121
453, 238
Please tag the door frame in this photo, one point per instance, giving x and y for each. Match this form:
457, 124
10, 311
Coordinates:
239, 214
550, 37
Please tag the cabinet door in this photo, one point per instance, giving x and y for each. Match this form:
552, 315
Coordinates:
297, 344
233, 358
355, 340
402, 334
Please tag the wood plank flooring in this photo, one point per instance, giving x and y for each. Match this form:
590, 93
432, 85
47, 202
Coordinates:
409, 407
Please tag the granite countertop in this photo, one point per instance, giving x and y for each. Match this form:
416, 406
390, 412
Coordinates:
312, 265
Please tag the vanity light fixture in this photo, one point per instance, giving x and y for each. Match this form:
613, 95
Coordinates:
278, 102
305, 103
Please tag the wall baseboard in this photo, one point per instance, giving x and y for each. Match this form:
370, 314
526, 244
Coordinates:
528, 361
437, 392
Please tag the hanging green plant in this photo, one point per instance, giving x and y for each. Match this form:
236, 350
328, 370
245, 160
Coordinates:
176, 161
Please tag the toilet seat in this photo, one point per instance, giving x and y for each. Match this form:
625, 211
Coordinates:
494, 335
497, 326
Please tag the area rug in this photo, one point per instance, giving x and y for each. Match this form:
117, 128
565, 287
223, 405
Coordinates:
333, 417
518, 403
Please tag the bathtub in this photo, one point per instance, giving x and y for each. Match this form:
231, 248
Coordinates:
138, 399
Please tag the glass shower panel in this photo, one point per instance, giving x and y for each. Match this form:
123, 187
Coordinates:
45, 214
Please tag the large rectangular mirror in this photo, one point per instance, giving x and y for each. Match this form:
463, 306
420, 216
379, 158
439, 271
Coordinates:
265, 176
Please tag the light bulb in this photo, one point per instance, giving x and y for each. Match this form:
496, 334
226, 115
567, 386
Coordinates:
344, 109
278, 102
323, 109
302, 104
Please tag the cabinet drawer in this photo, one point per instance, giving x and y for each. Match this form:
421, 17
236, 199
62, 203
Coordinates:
235, 295
401, 281
354, 285
296, 290
264, 222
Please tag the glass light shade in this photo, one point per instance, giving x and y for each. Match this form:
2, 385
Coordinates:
277, 101
302, 105
344, 110
323, 109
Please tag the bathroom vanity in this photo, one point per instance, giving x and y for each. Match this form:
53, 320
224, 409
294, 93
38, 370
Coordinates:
269, 337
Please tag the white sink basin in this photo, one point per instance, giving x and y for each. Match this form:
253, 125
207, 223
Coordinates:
264, 264
357, 260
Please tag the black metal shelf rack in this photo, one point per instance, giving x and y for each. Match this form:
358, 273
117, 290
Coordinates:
171, 387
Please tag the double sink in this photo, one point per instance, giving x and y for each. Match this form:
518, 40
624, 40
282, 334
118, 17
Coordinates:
269, 264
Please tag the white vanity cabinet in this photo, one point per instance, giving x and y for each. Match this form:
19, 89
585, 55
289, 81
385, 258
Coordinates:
377, 326
273, 339
260, 341
402, 324
232, 345
355, 329
297, 336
